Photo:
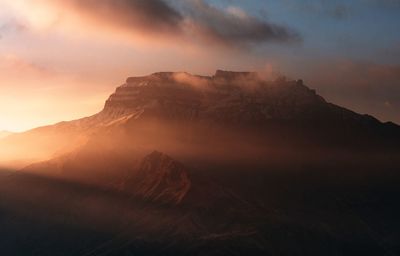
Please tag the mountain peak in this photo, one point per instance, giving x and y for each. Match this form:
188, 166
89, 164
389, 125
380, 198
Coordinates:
162, 179
230, 75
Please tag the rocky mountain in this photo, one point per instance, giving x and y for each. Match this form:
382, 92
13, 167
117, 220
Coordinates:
234, 97
159, 178
237, 100
204, 106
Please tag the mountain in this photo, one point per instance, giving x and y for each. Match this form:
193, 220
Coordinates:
232, 97
230, 164
227, 102
226, 97
160, 178
230, 121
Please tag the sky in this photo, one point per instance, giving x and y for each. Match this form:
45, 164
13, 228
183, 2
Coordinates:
61, 59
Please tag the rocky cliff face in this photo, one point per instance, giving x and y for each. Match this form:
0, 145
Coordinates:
233, 97
161, 179
226, 96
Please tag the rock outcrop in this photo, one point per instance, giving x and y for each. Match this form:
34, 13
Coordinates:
161, 179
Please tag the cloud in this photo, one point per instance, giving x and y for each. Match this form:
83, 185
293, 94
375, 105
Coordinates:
196, 82
143, 15
233, 25
191, 21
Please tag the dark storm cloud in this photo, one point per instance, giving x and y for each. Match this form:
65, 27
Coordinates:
234, 26
194, 19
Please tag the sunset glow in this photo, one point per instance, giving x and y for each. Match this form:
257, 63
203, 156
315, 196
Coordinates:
74, 53
199, 127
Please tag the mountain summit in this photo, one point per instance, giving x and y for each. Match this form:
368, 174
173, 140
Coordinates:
226, 96
241, 99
